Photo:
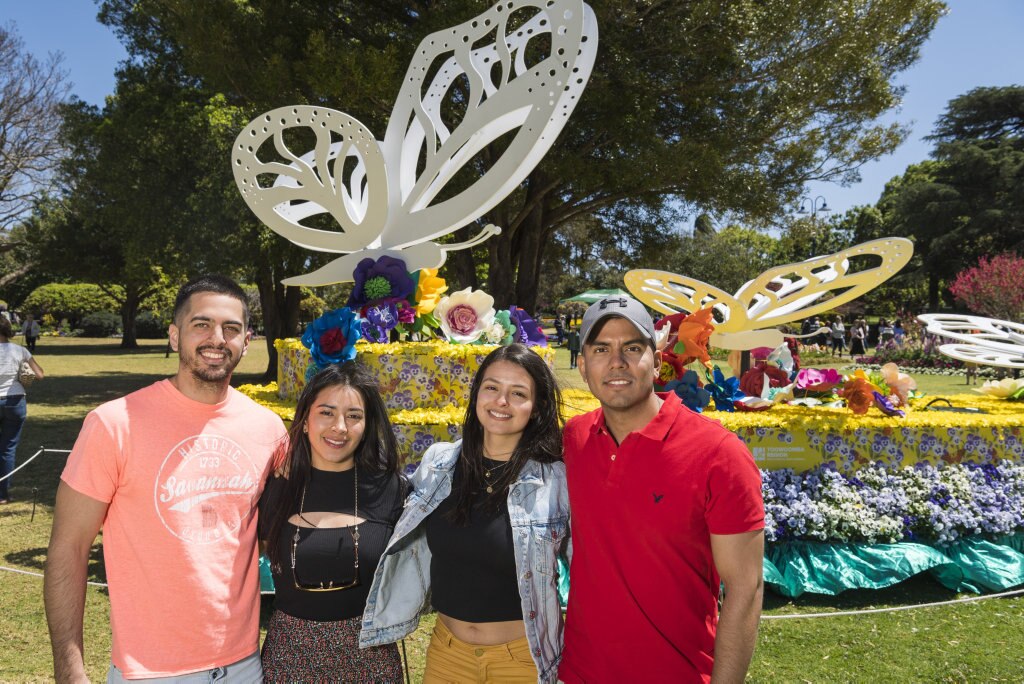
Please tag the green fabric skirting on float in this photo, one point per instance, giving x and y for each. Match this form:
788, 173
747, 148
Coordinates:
970, 565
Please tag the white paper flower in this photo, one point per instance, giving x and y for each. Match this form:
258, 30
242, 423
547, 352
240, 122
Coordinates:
465, 315
1000, 389
495, 334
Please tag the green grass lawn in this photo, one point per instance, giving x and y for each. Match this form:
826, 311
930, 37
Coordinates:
968, 642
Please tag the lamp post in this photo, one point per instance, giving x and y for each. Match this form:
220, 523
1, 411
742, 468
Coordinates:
815, 208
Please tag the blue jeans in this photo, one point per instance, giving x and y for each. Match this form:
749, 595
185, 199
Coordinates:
12, 419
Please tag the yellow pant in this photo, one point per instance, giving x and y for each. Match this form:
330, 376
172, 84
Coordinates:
452, 660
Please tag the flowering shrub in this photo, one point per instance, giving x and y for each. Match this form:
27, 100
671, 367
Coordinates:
992, 287
881, 505
911, 354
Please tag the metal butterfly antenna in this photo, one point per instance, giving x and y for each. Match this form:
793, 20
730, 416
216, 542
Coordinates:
386, 202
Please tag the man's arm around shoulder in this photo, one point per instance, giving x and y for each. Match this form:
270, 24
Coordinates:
76, 522
739, 560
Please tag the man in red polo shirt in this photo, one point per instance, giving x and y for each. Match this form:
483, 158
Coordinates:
666, 504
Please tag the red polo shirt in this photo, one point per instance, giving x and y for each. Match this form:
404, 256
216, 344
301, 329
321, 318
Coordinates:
643, 587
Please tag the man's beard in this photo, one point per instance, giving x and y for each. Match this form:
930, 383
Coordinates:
207, 375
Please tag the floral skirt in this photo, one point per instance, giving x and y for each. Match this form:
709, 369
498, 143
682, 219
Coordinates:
298, 650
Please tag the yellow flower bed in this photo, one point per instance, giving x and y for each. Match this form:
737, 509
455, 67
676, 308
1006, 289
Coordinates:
431, 348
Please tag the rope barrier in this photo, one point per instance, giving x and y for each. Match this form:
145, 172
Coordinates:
42, 450
39, 574
893, 609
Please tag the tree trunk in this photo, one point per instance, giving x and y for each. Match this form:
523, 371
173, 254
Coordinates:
515, 254
933, 291
460, 268
129, 310
280, 314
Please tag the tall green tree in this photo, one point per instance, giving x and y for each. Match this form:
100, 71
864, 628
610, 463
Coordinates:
968, 201
125, 220
730, 105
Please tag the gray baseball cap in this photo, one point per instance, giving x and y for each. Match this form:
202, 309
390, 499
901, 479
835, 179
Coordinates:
622, 306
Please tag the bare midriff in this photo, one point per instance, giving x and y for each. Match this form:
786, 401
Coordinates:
484, 633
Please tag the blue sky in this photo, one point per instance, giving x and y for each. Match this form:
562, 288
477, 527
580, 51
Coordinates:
977, 44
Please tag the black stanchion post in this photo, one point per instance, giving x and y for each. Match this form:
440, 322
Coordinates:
35, 497
744, 362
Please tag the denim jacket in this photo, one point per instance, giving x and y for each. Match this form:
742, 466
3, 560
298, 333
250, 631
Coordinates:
538, 507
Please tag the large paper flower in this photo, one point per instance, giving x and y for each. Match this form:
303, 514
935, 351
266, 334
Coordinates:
688, 388
671, 369
429, 289
859, 395
725, 391
1007, 388
383, 280
886, 406
465, 315
815, 380
753, 380
692, 336
527, 330
900, 384
332, 337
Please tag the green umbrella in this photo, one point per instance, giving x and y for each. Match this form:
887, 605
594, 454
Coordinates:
591, 296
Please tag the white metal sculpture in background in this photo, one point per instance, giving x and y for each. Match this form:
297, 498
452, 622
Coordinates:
383, 196
985, 341
780, 295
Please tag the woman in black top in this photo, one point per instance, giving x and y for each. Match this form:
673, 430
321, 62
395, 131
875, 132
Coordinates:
325, 527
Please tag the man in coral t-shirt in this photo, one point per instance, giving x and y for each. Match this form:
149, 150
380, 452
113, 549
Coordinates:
172, 474
666, 504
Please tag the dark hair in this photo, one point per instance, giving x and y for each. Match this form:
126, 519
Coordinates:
377, 452
210, 283
540, 441
5, 328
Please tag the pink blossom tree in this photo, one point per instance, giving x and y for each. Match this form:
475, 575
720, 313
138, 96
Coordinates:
995, 287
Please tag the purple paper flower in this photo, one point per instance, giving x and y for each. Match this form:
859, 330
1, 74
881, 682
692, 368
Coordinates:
527, 330
332, 337
383, 280
887, 406
373, 333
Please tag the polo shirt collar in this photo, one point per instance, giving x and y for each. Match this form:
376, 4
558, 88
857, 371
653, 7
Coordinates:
657, 429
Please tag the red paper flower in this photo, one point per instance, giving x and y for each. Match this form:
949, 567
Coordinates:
462, 319
332, 341
752, 382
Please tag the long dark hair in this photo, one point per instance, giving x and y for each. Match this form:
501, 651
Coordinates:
377, 452
540, 441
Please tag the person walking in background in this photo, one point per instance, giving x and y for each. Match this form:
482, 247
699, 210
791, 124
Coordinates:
559, 329
172, 473
666, 506
838, 335
480, 537
325, 526
885, 332
13, 407
30, 328
573, 342
898, 333
858, 337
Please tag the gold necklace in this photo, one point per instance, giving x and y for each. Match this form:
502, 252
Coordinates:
355, 543
493, 469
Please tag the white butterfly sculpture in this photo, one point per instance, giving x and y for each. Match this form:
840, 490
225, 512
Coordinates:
782, 294
987, 341
519, 67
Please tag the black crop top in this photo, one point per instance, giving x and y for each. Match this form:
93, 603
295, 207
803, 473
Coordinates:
328, 554
473, 568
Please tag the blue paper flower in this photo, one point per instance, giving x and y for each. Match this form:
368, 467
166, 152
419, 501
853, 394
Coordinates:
383, 280
725, 391
332, 337
693, 396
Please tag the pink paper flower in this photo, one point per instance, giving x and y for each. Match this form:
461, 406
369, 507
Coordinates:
816, 380
462, 319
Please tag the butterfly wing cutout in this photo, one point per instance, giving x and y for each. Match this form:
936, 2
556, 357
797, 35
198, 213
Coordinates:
981, 340
343, 176
502, 80
792, 292
670, 293
779, 295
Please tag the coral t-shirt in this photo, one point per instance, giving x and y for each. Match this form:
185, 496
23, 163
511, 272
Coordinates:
182, 480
